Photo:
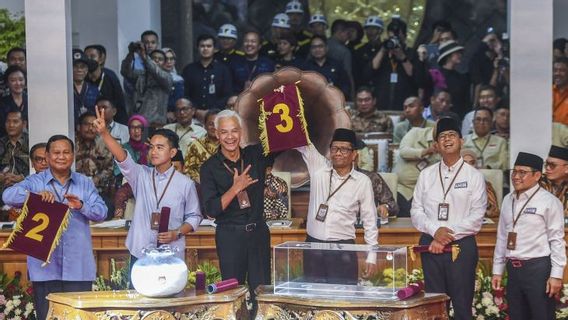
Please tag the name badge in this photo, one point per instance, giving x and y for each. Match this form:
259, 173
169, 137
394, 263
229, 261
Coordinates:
422, 164
460, 185
243, 199
530, 210
212, 88
322, 212
155, 221
443, 211
511, 240
394, 77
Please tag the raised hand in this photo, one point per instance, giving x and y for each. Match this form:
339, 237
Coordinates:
100, 123
242, 181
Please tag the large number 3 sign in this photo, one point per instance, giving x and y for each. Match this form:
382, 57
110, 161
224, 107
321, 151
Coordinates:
35, 232
287, 123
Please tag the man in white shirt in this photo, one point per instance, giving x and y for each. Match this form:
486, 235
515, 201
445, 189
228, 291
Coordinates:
117, 130
530, 243
184, 128
448, 206
337, 193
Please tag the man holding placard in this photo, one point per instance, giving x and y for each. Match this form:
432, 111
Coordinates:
72, 265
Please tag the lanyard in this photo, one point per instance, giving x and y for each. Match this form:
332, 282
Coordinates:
102, 81
231, 172
59, 197
165, 189
451, 183
186, 132
337, 189
520, 211
484, 146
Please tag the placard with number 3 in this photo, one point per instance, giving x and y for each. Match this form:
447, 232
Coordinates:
38, 228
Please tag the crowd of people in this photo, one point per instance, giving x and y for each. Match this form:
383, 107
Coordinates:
164, 138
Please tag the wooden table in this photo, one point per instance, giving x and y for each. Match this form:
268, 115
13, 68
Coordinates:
111, 305
200, 246
421, 307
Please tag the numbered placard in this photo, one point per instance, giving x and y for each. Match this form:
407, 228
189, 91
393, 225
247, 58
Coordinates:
38, 228
282, 119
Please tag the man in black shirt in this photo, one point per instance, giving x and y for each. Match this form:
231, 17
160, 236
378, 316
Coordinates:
232, 189
458, 84
208, 82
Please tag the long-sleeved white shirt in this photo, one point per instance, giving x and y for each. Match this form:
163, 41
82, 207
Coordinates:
467, 199
540, 230
356, 195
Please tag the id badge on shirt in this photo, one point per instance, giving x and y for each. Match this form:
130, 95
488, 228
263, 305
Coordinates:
511, 240
443, 211
479, 162
394, 77
211, 88
422, 164
322, 212
243, 199
155, 221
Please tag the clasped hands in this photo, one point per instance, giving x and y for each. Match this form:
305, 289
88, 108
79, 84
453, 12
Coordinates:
442, 238
73, 201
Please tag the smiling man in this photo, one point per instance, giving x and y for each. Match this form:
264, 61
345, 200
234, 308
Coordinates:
232, 189
448, 208
72, 266
530, 244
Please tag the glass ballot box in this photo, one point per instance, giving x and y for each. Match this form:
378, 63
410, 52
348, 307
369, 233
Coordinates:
342, 271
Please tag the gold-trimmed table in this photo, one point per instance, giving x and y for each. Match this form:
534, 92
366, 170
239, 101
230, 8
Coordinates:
130, 305
272, 306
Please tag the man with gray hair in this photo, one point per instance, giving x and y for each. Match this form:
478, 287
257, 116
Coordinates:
412, 111
232, 190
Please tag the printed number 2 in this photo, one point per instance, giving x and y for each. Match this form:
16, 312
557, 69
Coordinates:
34, 233
284, 111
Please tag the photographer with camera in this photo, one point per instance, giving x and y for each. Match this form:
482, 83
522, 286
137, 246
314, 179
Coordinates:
394, 71
152, 83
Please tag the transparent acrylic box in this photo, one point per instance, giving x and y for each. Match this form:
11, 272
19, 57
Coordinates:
332, 270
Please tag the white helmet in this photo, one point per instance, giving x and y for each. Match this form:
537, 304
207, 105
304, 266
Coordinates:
374, 21
294, 6
227, 31
318, 17
281, 20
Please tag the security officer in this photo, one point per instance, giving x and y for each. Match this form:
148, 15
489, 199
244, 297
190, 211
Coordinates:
253, 63
329, 68
530, 244
228, 37
280, 27
555, 179
364, 52
448, 207
318, 24
295, 11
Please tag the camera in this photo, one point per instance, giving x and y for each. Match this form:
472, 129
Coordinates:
392, 43
135, 46
503, 63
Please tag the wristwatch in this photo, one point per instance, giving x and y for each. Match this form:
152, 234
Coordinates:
179, 234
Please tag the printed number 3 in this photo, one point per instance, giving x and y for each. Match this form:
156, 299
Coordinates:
34, 233
284, 111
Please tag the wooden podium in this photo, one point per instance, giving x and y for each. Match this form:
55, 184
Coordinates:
427, 306
128, 304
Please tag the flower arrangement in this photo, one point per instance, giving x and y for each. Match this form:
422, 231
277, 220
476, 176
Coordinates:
16, 300
488, 304
212, 274
119, 278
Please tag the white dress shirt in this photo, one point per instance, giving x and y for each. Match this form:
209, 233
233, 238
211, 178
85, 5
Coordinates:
467, 199
186, 134
356, 195
540, 230
119, 132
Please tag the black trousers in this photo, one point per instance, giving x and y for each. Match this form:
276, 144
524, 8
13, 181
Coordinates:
244, 255
335, 267
454, 278
43, 288
404, 205
526, 290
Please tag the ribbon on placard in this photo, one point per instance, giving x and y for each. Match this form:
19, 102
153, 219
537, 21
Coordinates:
39, 228
281, 121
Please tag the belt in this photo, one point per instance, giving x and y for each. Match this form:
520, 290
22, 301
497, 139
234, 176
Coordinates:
249, 227
518, 263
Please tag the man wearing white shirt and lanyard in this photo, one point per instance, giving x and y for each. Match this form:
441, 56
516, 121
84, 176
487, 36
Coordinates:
337, 193
448, 207
530, 243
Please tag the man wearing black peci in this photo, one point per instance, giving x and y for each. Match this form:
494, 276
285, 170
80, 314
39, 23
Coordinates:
232, 189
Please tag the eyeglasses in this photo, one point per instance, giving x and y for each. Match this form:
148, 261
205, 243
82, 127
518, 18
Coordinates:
447, 135
521, 173
170, 59
553, 165
342, 150
135, 127
40, 159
